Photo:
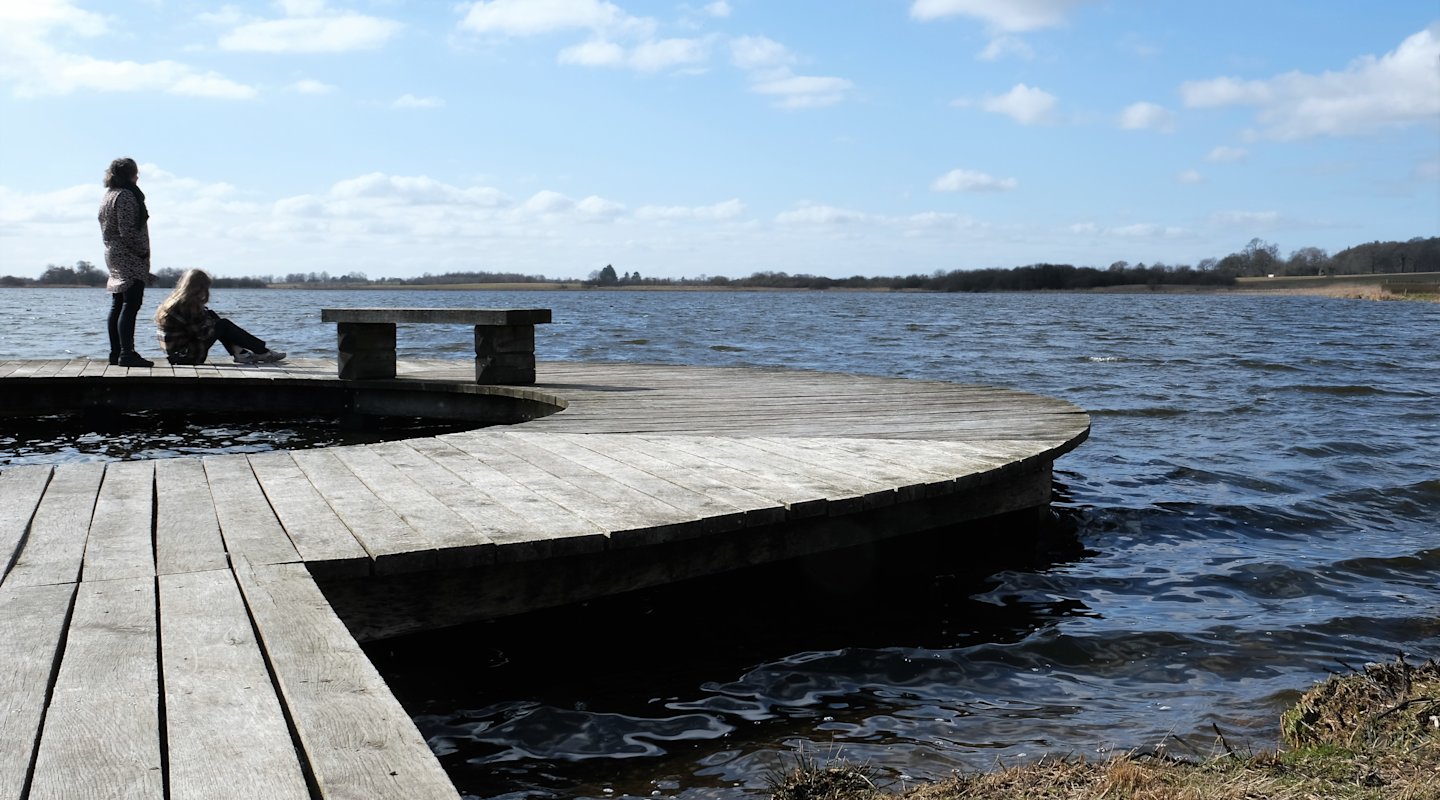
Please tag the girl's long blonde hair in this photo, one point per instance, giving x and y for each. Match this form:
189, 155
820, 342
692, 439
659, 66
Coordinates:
191, 294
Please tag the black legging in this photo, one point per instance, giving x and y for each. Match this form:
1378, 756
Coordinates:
124, 307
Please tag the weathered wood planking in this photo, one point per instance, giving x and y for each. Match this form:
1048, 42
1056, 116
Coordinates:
642, 455
120, 543
20, 492
227, 737
33, 628
187, 532
55, 546
358, 740
102, 727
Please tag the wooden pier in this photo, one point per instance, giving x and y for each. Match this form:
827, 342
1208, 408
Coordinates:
190, 627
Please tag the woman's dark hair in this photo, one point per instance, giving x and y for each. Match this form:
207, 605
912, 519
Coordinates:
121, 172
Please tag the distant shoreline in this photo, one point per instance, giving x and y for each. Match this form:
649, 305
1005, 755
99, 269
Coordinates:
1426, 287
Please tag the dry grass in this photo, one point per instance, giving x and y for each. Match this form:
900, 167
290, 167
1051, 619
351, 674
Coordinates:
1374, 735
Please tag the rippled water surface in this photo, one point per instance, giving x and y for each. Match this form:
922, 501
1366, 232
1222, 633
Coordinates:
1257, 505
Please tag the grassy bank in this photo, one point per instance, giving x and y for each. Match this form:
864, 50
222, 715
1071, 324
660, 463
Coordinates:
1373, 735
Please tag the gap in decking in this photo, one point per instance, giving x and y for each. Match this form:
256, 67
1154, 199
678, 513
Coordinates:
492, 696
106, 435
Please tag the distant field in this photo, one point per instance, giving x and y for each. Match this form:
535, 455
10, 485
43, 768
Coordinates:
1397, 280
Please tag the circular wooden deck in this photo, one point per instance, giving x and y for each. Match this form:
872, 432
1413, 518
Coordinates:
164, 632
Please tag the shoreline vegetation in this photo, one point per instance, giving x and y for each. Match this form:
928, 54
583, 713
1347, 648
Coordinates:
1375, 270
1371, 735
1422, 286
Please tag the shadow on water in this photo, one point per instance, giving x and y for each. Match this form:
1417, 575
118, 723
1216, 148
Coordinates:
105, 435
646, 693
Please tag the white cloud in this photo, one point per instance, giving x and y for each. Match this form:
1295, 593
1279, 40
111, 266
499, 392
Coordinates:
535, 17
1371, 94
1146, 230
34, 67
820, 215
599, 208
1002, 46
334, 33
1147, 116
1190, 177
1246, 219
650, 56
727, 210
412, 101
804, 91
999, 15
1227, 155
719, 8
964, 180
1024, 104
595, 53
42, 16
418, 190
759, 53
311, 87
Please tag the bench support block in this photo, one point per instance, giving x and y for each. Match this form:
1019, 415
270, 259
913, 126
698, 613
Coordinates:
367, 350
505, 354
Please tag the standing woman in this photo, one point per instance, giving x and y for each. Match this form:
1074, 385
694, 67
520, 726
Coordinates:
124, 227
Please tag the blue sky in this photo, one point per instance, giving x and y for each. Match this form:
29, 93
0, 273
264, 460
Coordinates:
875, 137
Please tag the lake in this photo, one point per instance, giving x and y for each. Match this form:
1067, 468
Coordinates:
1256, 507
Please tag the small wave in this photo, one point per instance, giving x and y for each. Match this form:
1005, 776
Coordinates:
1158, 412
1267, 366
725, 348
634, 341
1103, 359
1343, 390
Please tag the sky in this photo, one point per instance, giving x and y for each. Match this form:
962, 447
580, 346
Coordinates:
396, 138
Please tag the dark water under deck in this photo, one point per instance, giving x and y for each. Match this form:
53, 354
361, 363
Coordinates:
1257, 505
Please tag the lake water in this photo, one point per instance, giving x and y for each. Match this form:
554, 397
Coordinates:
1256, 507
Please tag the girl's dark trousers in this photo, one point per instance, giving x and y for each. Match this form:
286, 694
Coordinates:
124, 307
227, 333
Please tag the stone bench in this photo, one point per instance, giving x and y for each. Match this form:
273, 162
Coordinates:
504, 339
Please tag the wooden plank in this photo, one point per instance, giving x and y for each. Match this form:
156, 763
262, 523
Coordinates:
579, 498
607, 456
486, 515
549, 528
102, 730
788, 478
20, 491
622, 509
55, 546
358, 740
226, 732
121, 543
34, 626
651, 457
319, 535
684, 458
421, 510
247, 523
187, 532
392, 544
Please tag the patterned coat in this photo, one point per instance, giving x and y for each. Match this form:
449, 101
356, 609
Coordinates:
126, 232
187, 333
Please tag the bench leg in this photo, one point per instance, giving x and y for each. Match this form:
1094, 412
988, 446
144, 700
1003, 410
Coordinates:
505, 354
367, 349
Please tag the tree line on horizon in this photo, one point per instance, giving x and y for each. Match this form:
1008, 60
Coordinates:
1258, 258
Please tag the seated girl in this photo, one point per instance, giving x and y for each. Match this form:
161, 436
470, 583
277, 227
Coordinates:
188, 328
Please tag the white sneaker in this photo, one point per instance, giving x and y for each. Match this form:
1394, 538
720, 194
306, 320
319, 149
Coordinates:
247, 357
270, 357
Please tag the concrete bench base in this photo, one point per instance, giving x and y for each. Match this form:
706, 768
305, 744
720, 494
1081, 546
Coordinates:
504, 340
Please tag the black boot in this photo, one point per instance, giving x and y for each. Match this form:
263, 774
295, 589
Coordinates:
133, 359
